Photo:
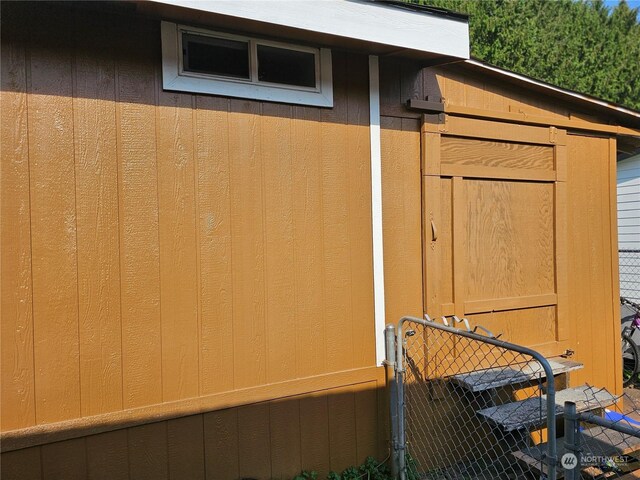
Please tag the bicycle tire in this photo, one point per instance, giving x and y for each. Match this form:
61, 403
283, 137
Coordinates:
630, 360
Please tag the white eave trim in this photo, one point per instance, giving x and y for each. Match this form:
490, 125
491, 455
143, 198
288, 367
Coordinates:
553, 88
355, 19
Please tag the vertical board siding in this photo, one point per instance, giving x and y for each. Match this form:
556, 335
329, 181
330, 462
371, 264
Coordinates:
328, 431
284, 425
402, 217
314, 433
358, 165
139, 225
590, 288
335, 218
342, 429
308, 245
590, 262
160, 246
53, 222
22, 464
177, 237
18, 373
254, 451
185, 441
221, 447
215, 263
148, 447
96, 171
66, 460
108, 456
280, 295
247, 240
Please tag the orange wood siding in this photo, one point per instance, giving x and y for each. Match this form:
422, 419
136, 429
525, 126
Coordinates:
594, 324
17, 371
458, 85
159, 247
208, 260
593, 282
323, 432
401, 216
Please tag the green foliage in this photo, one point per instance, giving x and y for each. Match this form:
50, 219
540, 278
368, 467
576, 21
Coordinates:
580, 45
371, 469
306, 475
350, 473
412, 469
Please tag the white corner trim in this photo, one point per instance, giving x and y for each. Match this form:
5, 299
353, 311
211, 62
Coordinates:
173, 79
376, 207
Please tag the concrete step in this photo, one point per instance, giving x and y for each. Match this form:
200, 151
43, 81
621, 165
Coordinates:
480, 380
532, 412
596, 441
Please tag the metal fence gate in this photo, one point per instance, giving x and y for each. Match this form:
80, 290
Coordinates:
467, 405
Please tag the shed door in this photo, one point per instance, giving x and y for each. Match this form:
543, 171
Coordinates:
494, 228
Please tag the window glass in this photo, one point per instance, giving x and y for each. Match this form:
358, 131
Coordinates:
215, 56
289, 67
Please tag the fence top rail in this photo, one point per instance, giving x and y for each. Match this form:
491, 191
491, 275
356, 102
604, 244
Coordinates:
625, 250
473, 336
606, 423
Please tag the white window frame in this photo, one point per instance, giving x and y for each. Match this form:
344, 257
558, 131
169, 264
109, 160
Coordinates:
174, 77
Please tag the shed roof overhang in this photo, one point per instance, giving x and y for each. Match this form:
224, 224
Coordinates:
376, 27
622, 115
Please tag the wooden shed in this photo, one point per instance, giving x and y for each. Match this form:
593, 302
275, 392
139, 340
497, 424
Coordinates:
211, 209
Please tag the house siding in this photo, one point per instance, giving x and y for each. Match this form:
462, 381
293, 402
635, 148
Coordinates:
187, 285
191, 254
628, 179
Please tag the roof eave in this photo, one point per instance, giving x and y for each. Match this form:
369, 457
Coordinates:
375, 27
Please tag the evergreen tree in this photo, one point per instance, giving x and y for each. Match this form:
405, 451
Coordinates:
580, 45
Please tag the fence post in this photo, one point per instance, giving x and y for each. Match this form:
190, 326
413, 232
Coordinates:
571, 442
401, 444
390, 363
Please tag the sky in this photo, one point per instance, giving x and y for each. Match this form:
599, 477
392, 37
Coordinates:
632, 4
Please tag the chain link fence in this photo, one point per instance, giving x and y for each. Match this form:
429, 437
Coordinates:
473, 405
469, 406
603, 443
629, 275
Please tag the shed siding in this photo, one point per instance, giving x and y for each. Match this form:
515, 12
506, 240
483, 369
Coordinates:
402, 217
323, 432
593, 282
159, 247
592, 273
206, 262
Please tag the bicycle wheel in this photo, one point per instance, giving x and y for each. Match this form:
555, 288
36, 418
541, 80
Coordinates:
630, 360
